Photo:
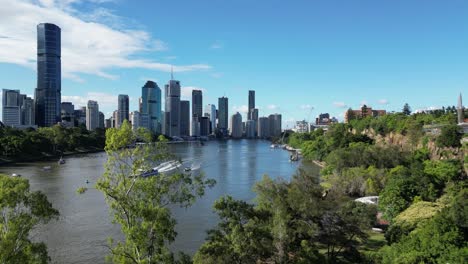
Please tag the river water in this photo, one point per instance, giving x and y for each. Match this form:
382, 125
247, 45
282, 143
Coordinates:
80, 234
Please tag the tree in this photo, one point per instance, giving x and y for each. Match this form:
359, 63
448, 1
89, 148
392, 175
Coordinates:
21, 212
450, 136
407, 109
141, 205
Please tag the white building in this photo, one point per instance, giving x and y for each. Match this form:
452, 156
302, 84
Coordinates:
301, 127
135, 119
92, 115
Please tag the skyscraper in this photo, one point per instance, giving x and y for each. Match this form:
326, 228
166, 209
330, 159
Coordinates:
68, 113
27, 112
92, 115
11, 112
204, 126
275, 125
197, 111
460, 110
135, 119
185, 118
123, 109
251, 104
250, 129
102, 120
151, 107
48, 91
223, 115
210, 111
263, 127
236, 125
172, 110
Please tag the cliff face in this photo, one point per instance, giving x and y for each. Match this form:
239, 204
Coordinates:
428, 141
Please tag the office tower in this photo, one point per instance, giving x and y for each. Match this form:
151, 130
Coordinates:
197, 111
254, 117
263, 127
92, 115
68, 114
210, 111
251, 104
11, 107
150, 111
48, 91
172, 109
135, 119
140, 104
108, 123
123, 109
204, 126
250, 129
236, 125
460, 111
223, 113
275, 125
185, 118
27, 112
102, 120
80, 116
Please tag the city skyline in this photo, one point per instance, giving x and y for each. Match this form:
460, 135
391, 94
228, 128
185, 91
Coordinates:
324, 75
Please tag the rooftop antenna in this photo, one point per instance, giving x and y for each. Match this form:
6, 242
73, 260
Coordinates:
172, 73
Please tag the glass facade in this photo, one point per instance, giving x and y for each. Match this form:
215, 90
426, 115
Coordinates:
151, 106
48, 91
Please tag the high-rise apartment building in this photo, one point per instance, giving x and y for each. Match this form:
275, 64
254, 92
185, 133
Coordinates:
123, 108
48, 91
135, 119
223, 115
275, 125
250, 129
236, 125
263, 127
92, 115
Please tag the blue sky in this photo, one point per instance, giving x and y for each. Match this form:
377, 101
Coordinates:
297, 55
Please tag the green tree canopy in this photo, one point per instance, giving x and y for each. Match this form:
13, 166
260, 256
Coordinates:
21, 212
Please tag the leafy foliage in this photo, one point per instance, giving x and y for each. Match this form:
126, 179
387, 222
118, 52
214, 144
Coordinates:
21, 212
141, 205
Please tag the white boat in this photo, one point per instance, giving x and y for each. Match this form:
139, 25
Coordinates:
46, 167
15, 175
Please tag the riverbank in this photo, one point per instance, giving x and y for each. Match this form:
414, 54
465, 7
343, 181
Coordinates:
46, 156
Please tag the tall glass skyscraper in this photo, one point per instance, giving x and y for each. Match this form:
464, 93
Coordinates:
223, 115
251, 104
197, 111
123, 109
48, 90
172, 110
151, 107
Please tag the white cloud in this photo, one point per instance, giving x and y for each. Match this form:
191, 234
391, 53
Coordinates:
340, 104
89, 45
243, 109
104, 100
186, 92
307, 107
216, 45
217, 75
272, 107
383, 102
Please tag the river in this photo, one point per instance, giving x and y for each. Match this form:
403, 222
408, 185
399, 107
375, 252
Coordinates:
80, 234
